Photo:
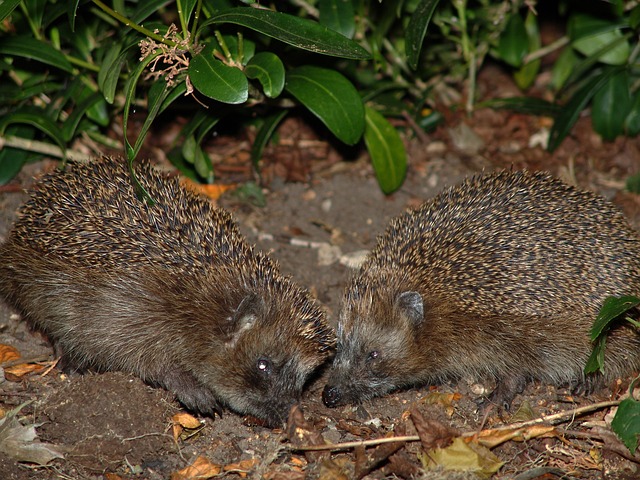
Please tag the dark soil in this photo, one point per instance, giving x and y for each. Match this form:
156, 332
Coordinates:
113, 424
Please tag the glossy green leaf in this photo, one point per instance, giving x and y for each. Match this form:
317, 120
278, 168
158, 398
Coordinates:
595, 362
185, 9
612, 309
338, 15
129, 97
268, 69
527, 74
12, 159
583, 25
590, 35
585, 67
72, 8
632, 122
417, 29
36, 118
146, 9
6, 7
299, 32
71, 124
626, 423
611, 105
264, 134
216, 80
571, 111
514, 42
109, 73
563, 67
387, 151
203, 166
330, 97
28, 47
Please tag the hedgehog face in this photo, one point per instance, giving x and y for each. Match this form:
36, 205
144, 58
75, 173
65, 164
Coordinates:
376, 338
271, 356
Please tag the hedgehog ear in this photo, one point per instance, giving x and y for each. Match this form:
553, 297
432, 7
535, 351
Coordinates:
245, 316
411, 306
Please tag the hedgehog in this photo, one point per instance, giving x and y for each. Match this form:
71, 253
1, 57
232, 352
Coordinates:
499, 278
170, 291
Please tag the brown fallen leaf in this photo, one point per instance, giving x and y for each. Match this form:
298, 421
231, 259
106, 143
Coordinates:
301, 432
183, 423
8, 353
462, 456
242, 467
493, 437
432, 432
200, 469
112, 476
16, 372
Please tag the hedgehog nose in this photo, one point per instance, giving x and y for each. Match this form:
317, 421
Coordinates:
331, 396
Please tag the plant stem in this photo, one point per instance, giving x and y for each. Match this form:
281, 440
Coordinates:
541, 52
135, 26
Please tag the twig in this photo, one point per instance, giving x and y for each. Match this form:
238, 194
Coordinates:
551, 419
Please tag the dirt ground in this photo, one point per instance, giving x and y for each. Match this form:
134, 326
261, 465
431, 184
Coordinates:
113, 426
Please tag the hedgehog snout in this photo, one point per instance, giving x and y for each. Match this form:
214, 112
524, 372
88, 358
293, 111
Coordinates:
331, 396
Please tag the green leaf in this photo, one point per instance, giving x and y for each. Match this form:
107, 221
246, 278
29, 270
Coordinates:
571, 111
185, 9
525, 77
109, 73
263, 136
514, 43
611, 309
582, 25
417, 29
626, 423
632, 122
78, 113
611, 105
299, 32
36, 118
331, 98
268, 69
595, 362
6, 7
12, 159
129, 97
146, 9
216, 80
387, 151
633, 183
563, 67
590, 35
338, 15
28, 47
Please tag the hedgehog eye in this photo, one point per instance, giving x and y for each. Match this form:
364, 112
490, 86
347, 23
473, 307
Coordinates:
264, 366
374, 355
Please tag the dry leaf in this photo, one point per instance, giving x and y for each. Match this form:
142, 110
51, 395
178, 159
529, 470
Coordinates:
301, 432
242, 467
493, 437
200, 469
15, 373
463, 456
112, 476
8, 353
334, 469
183, 421
213, 191
21, 443
432, 433
186, 420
